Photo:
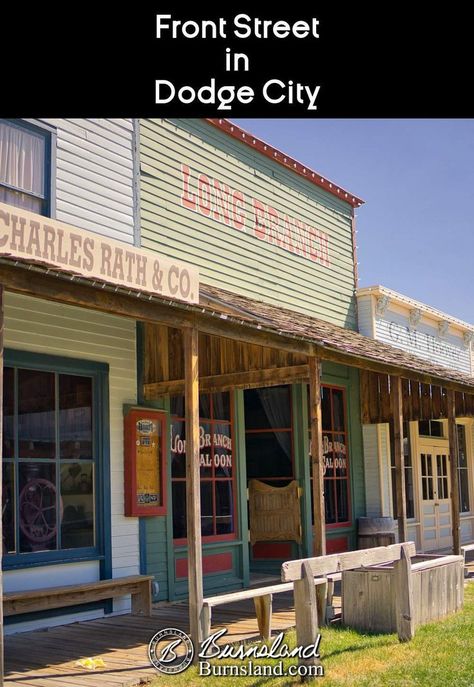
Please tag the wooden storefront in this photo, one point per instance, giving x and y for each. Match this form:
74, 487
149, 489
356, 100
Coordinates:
257, 367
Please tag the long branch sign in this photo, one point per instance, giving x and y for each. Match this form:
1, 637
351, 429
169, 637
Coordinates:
34, 238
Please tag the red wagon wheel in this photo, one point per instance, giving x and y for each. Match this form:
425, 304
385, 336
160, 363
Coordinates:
37, 502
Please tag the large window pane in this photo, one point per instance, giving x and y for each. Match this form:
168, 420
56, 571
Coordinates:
36, 414
37, 506
178, 449
207, 510
8, 508
77, 493
8, 413
179, 509
75, 417
224, 507
222, 448
338, 410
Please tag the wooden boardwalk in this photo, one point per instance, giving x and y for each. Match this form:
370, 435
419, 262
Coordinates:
47, 658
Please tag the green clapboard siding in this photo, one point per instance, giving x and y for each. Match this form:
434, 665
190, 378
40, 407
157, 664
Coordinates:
235, 259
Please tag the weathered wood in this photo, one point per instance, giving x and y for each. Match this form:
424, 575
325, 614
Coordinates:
397, 427
436, 562
139, 586
436, 401
460, 404
385, 406
464, 550
426, 413
337, 562
405, 398
415, 400
364, 397
369, 599
374, 397
263, 609
1, 483
317, 456
321, 600
206, 620
54, 288
403, 589
306, 611
193, 485
454, 472
252, 592
232, 380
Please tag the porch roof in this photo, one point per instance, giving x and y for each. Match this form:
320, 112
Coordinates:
223, 313
328, 336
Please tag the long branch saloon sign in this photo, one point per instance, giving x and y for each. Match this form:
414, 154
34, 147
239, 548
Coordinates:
34, 238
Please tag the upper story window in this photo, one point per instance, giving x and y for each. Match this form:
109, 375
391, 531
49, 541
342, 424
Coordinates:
25, 166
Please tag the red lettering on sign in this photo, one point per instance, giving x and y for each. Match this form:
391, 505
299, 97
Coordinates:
188, 199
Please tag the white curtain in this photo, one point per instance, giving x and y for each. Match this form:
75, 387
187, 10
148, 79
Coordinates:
21, 165
275, 403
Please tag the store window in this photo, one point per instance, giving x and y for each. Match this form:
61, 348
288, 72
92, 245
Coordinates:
336, 456
409, 487
431, 428
463, 471
216, 465
269, 435
25, 154
49, 464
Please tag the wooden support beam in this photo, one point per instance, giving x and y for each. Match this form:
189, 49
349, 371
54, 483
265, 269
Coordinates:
397, 427
1, 473
233, 380
454, 472
34, 283
317, 457
193, 486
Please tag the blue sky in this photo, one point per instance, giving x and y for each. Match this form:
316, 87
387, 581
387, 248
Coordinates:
416, 230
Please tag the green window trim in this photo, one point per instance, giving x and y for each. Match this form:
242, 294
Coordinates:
99, 374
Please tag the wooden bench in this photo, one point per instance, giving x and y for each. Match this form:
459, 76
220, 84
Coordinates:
464, 550
139, 586
263, 600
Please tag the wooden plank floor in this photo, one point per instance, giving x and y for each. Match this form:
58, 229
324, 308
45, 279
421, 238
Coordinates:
47, 658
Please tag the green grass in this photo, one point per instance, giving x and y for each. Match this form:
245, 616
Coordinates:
440, 655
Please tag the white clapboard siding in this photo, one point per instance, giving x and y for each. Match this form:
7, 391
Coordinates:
94, 175
424, 341
44, 327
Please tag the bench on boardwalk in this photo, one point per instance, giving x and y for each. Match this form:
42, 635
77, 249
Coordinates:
263, 600
139, 586
465, 549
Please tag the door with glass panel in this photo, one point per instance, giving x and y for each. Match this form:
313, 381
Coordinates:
435, 496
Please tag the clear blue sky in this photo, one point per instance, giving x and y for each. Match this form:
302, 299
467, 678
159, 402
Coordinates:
416, 229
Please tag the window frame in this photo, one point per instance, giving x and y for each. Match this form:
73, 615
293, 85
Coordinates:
100, 432
464, 470
50, 138
210, 538
287, 430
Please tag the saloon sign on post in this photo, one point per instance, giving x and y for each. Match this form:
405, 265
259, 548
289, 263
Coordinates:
34, 238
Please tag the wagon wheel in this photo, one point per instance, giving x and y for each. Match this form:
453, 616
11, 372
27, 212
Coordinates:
37, 502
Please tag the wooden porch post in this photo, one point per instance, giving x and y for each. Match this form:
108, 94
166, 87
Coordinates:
193, 486
397, 414
1, 485
319, 542
454, 473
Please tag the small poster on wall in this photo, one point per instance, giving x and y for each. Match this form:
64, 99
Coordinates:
145, 455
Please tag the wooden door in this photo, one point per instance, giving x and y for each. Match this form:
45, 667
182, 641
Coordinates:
434, 497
